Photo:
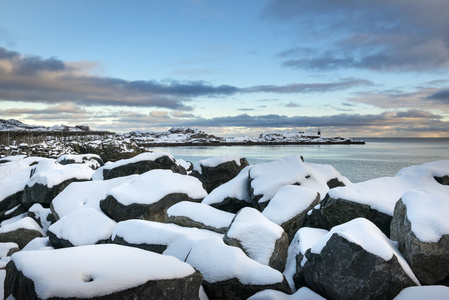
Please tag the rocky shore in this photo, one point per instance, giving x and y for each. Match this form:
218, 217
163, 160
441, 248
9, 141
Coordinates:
154, 227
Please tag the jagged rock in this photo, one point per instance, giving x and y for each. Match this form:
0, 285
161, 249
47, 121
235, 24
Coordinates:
89, 273
261, 239
232, 195
86, 226
92, 160
356, 260
289, 207
149, 195
229, 274
215, 171
138, 165
109, 149
202, 216
20, 232
421, 227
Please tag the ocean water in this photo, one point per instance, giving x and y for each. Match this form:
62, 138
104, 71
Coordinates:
379, 157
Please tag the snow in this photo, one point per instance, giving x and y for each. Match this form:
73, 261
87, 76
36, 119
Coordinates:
268, 178
235, 188
85, 226
303, 293
92, 160
382, 193
219, 262
41, 214
202, 213
427, 213
13, 219
215, 161
256, 234
86, 272
24, 223
430, 292
84, 194
178, 239
50, 173
288, 202
153, 185
148, 156
39, 243
14, 175
303, 240
5, 247
364, 233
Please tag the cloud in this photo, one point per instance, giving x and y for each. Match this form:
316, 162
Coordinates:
292, 104
440, 96
159, 114
400, 35
180, 114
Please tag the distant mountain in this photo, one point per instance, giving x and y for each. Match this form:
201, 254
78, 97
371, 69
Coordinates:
15, 125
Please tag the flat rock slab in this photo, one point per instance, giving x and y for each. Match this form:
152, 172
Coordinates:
90, 274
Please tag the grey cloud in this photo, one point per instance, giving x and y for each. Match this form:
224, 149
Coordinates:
291, 104
441, 96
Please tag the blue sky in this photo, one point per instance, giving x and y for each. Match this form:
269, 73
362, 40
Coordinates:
348, 67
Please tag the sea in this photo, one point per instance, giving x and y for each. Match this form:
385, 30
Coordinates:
378, 157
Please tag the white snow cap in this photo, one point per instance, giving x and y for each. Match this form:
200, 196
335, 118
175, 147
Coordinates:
288, 202
85, 226
215, 161
235, 188
268, 178
427, 212
382, 193
303, 293
429, 292
202, 213
50, 173
364, 233
256, 234
24, 223
153, 185
93, 271
219, 262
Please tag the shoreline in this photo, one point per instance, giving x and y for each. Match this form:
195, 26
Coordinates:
248, 144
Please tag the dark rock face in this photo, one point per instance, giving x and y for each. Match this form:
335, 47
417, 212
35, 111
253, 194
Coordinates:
344, 270
149, 247
22, 288
9, 203
39, 193
58, 242
20, 236
152, 212
333, 212
429, 261
212, 177
233, 289
444, 180
232, 205
163, 162
188, 222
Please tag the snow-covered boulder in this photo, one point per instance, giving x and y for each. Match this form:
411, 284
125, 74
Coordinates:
168, 239
7, 249
39, 243
137, 165
434, 292
49, 178
215, 171
149, 195
199, 215
41, 215
289, 207
375, 199
267, 178
421, 226
261, 239
356, 260
92, 160
303, 293
100, 272
232, 195
84, 194
20, 232
86, 226
229, 274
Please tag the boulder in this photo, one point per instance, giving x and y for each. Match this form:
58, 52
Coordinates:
41, 215
203, 216
149, 195
138, 165
421, 227
92, 160
261, 239
232, 195
356, 260
89, 273
215, 171
86, 226
267, 178
289, 207
20, 232
303, 293
229, 274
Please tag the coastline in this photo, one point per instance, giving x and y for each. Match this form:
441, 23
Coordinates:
248, 143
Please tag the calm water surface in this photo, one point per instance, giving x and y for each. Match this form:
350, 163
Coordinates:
379, 157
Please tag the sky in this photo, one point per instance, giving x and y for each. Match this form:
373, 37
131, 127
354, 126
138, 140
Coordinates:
352, 68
